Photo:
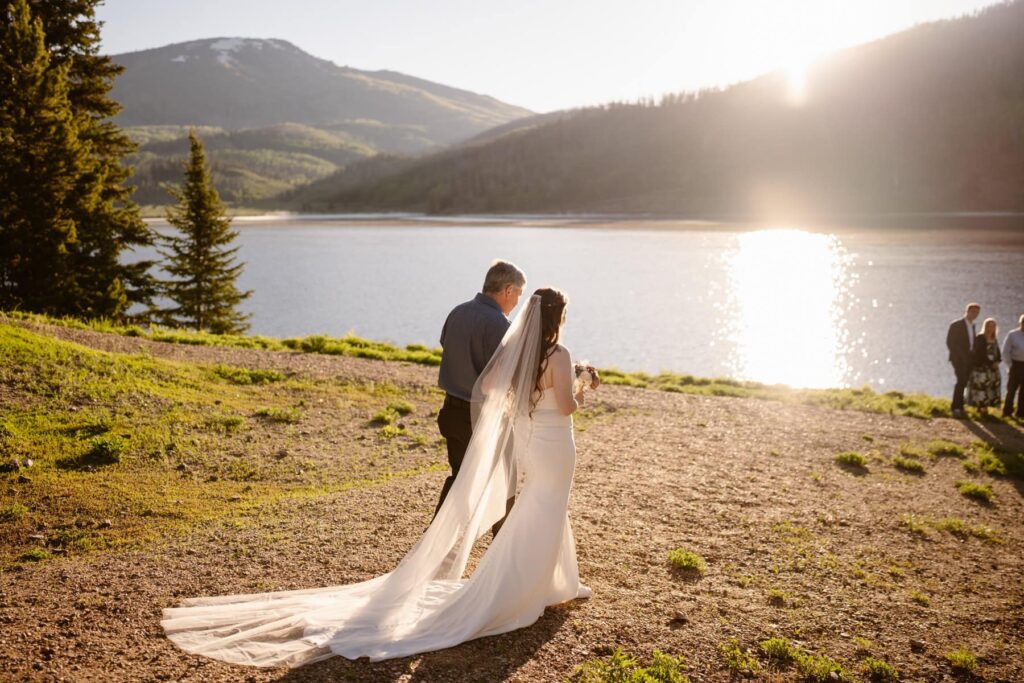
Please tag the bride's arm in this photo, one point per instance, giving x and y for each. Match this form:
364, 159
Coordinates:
561, 367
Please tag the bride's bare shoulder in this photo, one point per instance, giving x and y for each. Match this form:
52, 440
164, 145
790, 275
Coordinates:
561, 351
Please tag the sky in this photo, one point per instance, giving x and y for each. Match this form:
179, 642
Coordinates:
540, 54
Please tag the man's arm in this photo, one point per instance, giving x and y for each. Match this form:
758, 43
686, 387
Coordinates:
494, 332
1007, 349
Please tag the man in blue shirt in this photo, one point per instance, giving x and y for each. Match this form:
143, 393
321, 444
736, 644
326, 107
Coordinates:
470, 336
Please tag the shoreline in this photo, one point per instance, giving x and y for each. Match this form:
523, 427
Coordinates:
992, 228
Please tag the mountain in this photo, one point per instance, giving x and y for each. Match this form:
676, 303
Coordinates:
279, 116
927, 120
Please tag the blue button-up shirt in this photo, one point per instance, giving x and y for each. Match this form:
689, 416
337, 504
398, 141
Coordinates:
469, 338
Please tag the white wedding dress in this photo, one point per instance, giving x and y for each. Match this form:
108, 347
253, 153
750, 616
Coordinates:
425, 604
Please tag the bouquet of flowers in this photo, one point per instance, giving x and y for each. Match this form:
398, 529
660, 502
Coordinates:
585, 374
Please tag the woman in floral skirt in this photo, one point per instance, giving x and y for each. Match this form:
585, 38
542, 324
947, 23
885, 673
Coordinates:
984, 389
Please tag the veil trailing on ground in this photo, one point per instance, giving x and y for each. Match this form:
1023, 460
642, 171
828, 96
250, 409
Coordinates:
302, 626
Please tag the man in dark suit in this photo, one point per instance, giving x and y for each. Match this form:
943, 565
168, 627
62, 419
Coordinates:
960, 342
470, 336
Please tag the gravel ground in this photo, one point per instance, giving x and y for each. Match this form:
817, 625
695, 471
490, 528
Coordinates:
796, 546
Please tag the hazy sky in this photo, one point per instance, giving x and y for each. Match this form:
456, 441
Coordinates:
540, 54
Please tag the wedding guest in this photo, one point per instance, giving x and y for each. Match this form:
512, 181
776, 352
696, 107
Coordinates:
1013, 355
984, 391
960, 342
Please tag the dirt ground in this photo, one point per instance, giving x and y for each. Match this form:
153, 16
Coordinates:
796, 545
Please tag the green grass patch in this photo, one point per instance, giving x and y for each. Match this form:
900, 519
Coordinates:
962, 660
779, 651
737, 659
853, 460
401, 407
975, 491
998, 462
128, 449
682, 560
908, 465
35, 555
920, 598
863, 399
289, 415
943, 448
879, 670
620, 667
247, 376
13, 512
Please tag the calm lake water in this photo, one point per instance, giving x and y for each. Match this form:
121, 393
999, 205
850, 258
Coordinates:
784, 304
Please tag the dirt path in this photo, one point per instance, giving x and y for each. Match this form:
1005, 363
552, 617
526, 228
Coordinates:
796, 546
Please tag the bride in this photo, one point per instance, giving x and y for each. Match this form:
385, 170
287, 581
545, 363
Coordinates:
522, 439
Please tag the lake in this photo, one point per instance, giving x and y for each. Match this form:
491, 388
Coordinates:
782, 304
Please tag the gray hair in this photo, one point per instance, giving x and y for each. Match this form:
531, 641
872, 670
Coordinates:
500, 275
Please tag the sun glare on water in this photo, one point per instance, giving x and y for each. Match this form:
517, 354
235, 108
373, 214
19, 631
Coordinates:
787, 295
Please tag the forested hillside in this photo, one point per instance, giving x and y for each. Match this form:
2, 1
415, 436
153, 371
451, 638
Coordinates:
930, 119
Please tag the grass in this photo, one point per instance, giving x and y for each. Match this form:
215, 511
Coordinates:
941, 447
863, 399
247, 376
908, 465
975, 491
951, 525
962, 660
13, 512
289, 415
737, 659
161, 446
781, 653
686, 561
920, 598
349, 345
998, 462
879, 670
852, 459
620, 667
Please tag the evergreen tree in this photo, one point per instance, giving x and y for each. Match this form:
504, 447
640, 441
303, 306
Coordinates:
46, 170
204, 290
107, 222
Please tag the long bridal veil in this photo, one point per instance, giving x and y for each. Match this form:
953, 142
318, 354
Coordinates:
298, 627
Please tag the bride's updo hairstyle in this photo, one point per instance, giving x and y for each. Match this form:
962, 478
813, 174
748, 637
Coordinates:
552, 308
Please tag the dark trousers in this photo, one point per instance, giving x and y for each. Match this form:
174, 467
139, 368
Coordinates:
963, 376
1015, 385
456, 426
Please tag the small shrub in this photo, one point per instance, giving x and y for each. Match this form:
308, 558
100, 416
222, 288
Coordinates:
941, 447
920, 598
9, 513
736, 659
390, 431
818, 667
978, 492
106, 450
686, 561
852, 459
386, 416
878, 670
401, 407
35, 555
286, 415
777, 598
962, 660
908, 465
779, 651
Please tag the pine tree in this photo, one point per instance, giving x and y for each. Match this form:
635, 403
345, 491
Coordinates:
204, 290
46, 169
108, 222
